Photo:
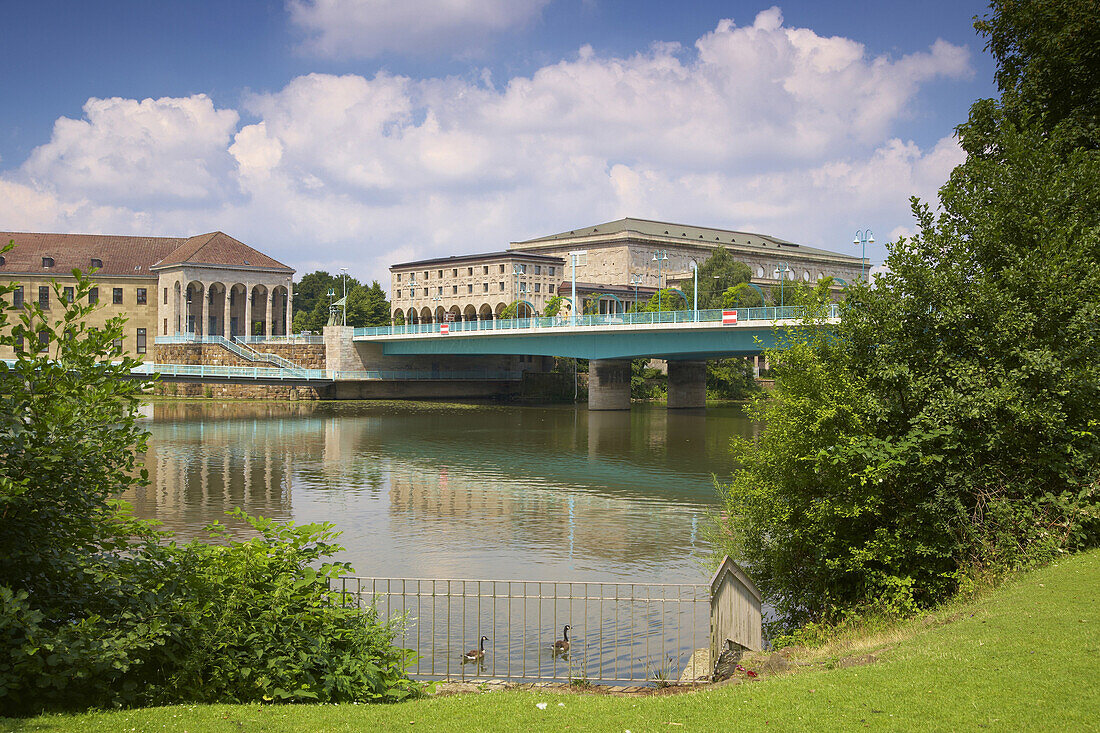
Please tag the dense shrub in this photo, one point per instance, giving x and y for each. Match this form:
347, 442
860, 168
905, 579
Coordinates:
99, 609
948, 425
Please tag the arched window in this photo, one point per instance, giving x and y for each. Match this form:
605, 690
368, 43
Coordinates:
760, 271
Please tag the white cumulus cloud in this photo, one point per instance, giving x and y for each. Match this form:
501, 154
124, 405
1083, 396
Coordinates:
761, 127
368, 28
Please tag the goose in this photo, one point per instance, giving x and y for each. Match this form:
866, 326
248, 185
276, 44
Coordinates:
476, 655
561, 646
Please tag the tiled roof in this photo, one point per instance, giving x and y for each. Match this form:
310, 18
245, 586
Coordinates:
121, 256
682, 232
219, 249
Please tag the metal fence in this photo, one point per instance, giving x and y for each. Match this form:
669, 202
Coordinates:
214, 371
770, 313
621, 632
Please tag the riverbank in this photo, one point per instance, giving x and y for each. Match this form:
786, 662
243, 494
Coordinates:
1026, 656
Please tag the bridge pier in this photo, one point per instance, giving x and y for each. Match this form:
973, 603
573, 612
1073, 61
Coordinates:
687, 384
609, 384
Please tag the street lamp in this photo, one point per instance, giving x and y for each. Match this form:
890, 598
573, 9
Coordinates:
517, 270
695, 291
659, 257
573, 257
635, 280
781, 273
343, 279
863, 237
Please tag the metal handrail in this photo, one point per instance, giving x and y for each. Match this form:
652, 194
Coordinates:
765, 314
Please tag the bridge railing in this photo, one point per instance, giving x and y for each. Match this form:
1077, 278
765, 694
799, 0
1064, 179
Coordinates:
768, 313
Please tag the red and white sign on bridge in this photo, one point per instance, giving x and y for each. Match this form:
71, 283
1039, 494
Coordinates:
729, 318
444, 329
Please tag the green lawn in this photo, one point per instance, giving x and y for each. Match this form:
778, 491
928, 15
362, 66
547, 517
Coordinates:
1026, 657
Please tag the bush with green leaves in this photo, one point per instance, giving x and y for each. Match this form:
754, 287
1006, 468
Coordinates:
947, 427
100, 609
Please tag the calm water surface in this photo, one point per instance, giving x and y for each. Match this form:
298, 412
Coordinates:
465, 491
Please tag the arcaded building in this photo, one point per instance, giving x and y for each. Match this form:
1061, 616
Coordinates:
205, 285
623, 260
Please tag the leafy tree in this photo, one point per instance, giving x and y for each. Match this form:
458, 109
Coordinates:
97, 608
731, 379
717, 275
741, 295
947, 425
666, 299
554, 306
366, 305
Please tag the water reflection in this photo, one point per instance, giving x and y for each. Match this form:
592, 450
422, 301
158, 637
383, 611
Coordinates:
429, 490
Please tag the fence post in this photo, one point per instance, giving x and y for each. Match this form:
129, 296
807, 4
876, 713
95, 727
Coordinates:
734, 610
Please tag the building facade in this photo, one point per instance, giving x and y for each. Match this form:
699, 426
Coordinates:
473, 287
206, 285
621, 261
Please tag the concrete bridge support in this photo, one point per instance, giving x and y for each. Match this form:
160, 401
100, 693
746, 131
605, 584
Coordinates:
687, 384
609, 384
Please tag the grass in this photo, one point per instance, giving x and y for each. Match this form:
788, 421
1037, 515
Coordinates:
1024, 657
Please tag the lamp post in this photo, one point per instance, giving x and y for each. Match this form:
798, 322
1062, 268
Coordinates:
517, 270
343, 279
437, 299
695, 291
863, 237
659, 257
573, 257
781, 273
635, 280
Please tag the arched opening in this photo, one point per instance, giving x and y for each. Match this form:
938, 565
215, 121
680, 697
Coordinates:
238, 313
257, 314
455, 314
280, 302
177, 307
439, 314
499, 309
425, 315
215, 313
194, 296
412, 317
469, 314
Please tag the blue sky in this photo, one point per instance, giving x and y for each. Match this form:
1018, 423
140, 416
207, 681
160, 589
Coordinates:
363, 132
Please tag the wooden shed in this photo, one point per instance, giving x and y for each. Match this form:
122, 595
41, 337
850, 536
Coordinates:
734, 610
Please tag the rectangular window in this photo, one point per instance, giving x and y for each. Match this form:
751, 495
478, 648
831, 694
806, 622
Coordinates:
116, 296
97, 263
44, 296
441, 274
550, 288
165, 326
425, 274
440, 290
398, 295
93, 296
469, 288
454, 272
486, 270
425, 292
523, 287
538, 269
551, 272
484, 287
43, 340
18, 343
17, 297
118, 347
502, 268
166, 296
502, 287
538, 287
141, 341
47, 261
142, 295
399, 277
469, 271
68, 295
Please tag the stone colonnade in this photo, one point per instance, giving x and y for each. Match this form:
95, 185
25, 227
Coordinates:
223, 307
